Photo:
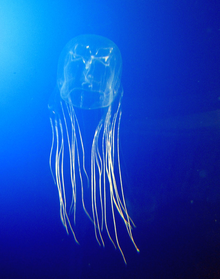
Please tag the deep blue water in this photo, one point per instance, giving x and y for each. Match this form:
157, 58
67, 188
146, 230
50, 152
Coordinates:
170, 139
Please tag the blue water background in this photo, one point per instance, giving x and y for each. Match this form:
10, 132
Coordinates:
170, 139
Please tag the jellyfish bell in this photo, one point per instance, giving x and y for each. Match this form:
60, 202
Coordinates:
89, 72
89, 79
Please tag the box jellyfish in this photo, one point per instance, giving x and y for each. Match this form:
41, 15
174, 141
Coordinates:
89, 79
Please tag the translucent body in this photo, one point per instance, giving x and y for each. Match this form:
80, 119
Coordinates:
88, 77
89, 72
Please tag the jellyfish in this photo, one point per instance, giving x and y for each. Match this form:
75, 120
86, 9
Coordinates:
89, 79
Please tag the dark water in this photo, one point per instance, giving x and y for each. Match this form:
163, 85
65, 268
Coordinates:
170, 139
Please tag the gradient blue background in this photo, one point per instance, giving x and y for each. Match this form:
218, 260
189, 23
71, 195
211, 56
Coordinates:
170, 138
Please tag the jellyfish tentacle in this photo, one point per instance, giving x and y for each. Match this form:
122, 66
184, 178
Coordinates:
104, 156
74, 156
100, 169
109, 165
59, 178
71, 146
119, 203
82, 146
83, 163
94, 164
59, 149
128, 226
59, 174
51, 151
